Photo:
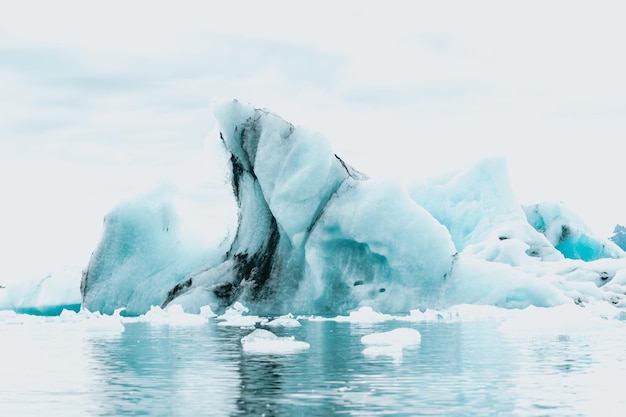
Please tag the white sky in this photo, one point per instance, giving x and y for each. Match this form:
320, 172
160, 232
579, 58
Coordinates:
101, 102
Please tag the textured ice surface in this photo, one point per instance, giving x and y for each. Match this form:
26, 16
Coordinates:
284, 321
46, 295
235, 316
173, 315
262, 341
364, 315
480, 211
141, 255
315, 236
569, 234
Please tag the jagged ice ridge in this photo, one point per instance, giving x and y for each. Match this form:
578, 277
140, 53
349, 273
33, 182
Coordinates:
316, 236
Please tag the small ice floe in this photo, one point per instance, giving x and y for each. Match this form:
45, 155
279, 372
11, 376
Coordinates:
172, 315
91, 322
206, 311
84, 322
264, 342
390, 343
284, 321
234, 316
365, 315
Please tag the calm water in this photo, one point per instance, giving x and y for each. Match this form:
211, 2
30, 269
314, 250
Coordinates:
463, 368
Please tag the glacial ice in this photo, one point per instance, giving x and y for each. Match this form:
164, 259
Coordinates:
479, 209
141, 255
364, 315
284, 321
174, 315
264, 342
316, 236
49, 294
84, 321
390, 343
402, 336
235, 316
569, 234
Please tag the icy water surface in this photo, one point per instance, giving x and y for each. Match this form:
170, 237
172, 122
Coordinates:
51, 368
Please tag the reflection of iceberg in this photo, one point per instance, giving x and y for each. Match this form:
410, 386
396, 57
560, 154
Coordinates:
316, 236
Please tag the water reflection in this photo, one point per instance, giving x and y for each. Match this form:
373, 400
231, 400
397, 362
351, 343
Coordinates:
158, 370
165, 371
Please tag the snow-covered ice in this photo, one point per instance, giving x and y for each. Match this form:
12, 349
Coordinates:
288, 320
173, 315
236, 316
264, 342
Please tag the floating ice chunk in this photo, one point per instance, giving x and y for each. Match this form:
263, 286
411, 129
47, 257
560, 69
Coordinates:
94, 322
241, 321
205, 311
402, 336
234, 316
265, 342
390, 343
284, 321
84, 321
365, 315
172, 315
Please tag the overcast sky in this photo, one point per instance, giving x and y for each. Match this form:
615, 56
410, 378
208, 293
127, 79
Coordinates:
100, 102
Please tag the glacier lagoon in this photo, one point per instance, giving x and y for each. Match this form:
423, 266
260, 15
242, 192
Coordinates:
469, 360
443, 298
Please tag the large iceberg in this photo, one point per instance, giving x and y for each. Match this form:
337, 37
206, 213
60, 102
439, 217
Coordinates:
316, 236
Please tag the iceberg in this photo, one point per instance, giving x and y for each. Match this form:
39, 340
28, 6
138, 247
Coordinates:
264, 342
141, 255
479, 209
316, 236
569, 234
619, 236
45, 295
